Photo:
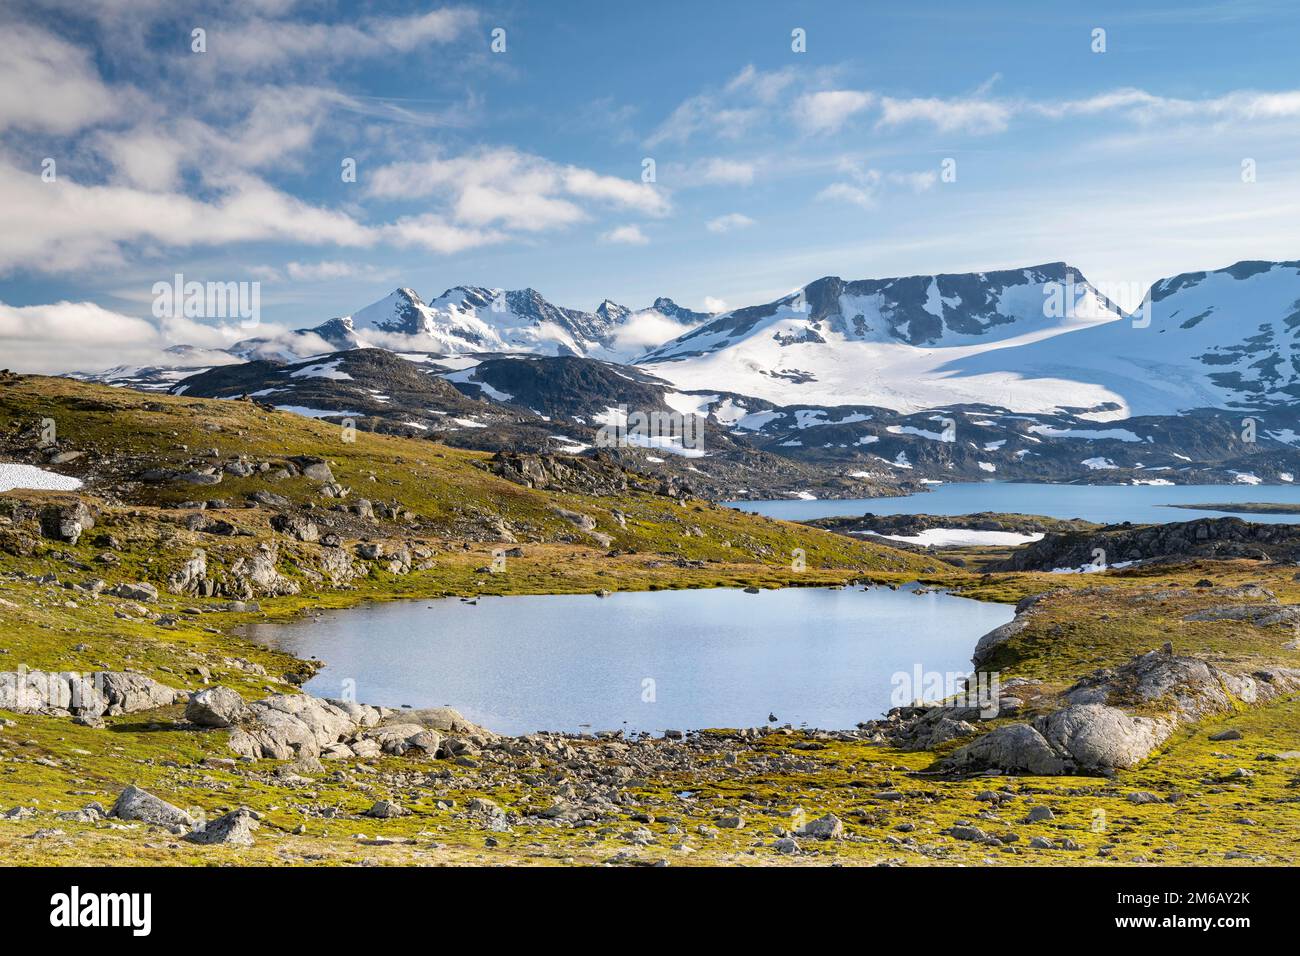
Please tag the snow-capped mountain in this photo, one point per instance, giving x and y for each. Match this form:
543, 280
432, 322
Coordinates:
1223, 339
889, 342
473, 319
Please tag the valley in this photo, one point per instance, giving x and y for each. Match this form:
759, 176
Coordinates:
1145, 713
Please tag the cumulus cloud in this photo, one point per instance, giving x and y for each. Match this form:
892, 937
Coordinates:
48, 84
63, 226
625, 235
645, 330
732, 220
828, 110
63, 336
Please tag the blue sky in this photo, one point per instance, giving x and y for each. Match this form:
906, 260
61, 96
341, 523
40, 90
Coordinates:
524, 167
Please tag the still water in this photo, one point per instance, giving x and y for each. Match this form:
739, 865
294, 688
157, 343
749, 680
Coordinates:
1107, 504
647, 661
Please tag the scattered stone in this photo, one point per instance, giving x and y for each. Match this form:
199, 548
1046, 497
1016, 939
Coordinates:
232, 829
136, 804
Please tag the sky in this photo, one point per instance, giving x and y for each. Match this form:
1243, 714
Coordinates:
721, 154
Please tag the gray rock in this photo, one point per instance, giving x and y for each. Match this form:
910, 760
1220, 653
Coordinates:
387, 810
1013, 747
233, 829
136, 804
1097, 737
138, 591
1039, 814
66, 522
987, 645
1230, 734
285, 725
829, 827
215, 707
128, 693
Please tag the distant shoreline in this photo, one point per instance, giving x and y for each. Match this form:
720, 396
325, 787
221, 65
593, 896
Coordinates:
1245, 508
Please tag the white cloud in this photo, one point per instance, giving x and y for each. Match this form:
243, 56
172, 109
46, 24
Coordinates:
646, 330
642, 197
432, 232
63, 226
948, 115
625, 235
727, 113
861, 196
715, 171
259, 44
865, 185
82, 336
715, 305
732, 220
827, 111
512, 190
327, 270
48, 84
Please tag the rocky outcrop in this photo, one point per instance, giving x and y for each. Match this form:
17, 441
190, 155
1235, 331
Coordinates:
287, 726
135, 591
192, 577
99, 694
1094, 733
987, 647
257, 575
66, 522
1220, 538
593, 476
296, 526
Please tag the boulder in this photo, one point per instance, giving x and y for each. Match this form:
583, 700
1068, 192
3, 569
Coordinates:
136, 804
397, 739
1013, 747
138, 591
387, 810
829, 827
576, 518
66, 522
126, 692
215, 707
988, 645
1097, 737
191, 577
296, 526
285, 725
260, 574
85, 696
233, 829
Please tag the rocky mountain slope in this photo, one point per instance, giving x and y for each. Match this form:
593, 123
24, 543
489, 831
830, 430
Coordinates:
1027, 374
1040, 339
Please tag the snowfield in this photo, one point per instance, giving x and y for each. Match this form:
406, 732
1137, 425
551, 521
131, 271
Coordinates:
959, 537
31, 478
